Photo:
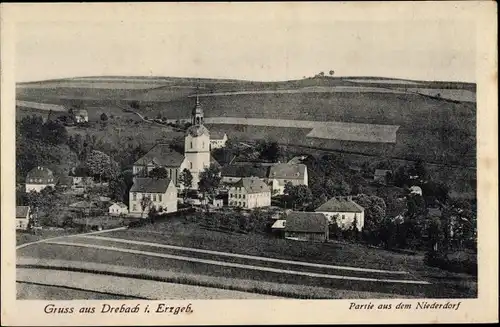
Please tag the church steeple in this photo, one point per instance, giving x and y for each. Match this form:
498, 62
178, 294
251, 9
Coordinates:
197, 113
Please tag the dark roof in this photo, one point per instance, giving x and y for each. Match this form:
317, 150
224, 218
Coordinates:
22, 211
311, 222
84, 205
340, 205
245, 170
162, 155
252, 185
288, 171
150, 185
65, 180
217, 135
435, 212
40, 173
382, 172
214, 162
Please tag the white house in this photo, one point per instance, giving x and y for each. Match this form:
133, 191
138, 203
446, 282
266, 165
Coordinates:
249, 193
161, 192
39, 178
23, 215
344, 211
80, 115
217, 140
281, 174
118, 208
417, 190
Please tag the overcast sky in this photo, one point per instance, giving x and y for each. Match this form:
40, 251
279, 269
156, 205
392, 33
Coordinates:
236, 47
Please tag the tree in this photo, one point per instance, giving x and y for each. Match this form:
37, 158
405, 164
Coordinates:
375, 211
270, 151
118, 189
100, 164
209, 181
145, 204
158, 172
104, 117
331, 72
298, 195
186, 180
322, 74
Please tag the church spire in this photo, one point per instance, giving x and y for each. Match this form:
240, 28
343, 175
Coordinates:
197, 113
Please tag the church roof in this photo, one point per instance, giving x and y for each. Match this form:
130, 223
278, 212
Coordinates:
162, 155
197, 108
252, 185
198, 130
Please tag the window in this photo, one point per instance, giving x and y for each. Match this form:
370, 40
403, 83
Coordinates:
154, 197
203, 145
191, 144
190, 165
134, 207
243, 196
159, 197
134, 196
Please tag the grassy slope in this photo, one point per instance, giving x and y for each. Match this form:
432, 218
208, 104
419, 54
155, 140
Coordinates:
433, 129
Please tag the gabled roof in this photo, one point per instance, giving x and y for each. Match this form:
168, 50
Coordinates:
120, 204
150, 185
252, 185
287, 171
311, 222
382, 172
162, 155
22, 211
245, 170
65, 180
40, 175
339, 205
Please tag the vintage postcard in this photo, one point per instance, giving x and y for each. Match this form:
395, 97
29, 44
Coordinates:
249, 163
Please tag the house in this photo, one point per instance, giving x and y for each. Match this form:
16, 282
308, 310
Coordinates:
65, 182
381, 176
306, 226
161, 192
281, 174
416, 190
39, 178
196, 157
217, 140
23, 216
80, 115
117, 209
343, 211
234, 173
249, 193
297, 160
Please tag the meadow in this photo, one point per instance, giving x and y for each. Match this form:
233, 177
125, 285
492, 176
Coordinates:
431, 128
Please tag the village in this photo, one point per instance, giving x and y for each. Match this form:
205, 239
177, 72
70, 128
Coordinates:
245, 193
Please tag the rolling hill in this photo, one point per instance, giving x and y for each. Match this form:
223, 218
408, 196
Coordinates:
436, 121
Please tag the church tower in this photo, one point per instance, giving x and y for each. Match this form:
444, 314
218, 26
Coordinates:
197, 144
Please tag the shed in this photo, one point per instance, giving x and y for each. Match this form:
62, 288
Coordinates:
306, 226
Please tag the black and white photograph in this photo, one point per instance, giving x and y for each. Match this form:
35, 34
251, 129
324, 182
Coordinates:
209, 156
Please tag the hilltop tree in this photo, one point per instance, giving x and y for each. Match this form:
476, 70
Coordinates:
186, 180
331, 72
158, 172
375, 211
104, 117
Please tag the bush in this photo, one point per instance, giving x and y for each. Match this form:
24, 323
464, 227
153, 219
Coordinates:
460, 265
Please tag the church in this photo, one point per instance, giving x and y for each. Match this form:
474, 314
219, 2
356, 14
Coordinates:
196, 156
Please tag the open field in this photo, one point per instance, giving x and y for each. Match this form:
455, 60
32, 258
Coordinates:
174, 247
39, 106
433, 129
456, 95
